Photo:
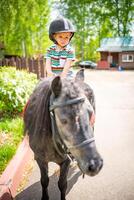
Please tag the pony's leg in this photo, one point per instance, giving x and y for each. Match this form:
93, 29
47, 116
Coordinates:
62, 183
44, 178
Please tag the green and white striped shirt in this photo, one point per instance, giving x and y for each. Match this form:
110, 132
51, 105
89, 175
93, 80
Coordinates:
58, 58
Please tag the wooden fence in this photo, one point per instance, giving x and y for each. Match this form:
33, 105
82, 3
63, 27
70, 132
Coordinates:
36, 66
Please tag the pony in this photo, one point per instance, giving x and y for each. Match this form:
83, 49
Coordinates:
56, 120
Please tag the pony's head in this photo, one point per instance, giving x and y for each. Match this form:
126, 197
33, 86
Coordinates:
72, 112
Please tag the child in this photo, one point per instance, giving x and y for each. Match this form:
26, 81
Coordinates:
60, 55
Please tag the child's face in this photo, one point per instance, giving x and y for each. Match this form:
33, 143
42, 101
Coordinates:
62, 38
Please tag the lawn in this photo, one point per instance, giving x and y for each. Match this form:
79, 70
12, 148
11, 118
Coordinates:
11, 134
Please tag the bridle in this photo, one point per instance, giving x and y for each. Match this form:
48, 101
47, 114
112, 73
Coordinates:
60, 146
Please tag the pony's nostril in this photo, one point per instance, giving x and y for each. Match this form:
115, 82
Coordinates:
95, 165
101, 164
92, 166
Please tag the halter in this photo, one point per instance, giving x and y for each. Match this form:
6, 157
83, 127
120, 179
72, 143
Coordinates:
69, 102
60, 146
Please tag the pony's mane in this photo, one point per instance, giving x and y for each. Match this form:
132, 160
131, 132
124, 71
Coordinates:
36, 116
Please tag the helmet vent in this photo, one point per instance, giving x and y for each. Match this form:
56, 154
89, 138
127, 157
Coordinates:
66, 25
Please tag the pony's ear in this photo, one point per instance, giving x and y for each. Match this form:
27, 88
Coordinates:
80, 76
56, 86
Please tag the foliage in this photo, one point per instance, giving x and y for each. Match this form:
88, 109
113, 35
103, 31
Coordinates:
10, 135
23, 26
15, 88
120, 14
95, 20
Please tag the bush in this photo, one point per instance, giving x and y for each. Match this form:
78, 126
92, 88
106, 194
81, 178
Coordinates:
15, 89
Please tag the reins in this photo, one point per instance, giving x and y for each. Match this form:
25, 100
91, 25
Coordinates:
60, 146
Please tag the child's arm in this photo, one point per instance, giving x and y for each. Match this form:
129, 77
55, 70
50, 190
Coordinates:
66, 68
48, 67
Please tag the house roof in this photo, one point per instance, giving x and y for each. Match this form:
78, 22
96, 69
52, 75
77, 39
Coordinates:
117, 44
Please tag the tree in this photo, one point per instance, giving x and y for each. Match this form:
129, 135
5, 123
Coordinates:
95, 20
120, 13
23, 26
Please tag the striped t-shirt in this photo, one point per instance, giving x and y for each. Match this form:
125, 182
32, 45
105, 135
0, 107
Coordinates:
58, 58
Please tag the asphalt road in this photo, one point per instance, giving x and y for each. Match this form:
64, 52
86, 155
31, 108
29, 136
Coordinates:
114, 134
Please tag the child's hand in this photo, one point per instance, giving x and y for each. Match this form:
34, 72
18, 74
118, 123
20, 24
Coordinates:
62, 75
50, 74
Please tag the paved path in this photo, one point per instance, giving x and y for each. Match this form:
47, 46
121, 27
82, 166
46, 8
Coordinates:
114, 133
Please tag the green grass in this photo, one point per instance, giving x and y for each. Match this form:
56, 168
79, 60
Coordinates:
11, 134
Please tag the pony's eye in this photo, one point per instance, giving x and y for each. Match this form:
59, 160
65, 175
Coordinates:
64, 121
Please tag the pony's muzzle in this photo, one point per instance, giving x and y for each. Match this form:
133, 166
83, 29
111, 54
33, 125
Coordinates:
91, 167
94, 166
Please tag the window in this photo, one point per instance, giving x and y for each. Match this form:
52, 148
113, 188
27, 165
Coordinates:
127, 58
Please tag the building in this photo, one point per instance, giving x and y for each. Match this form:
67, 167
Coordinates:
116, 52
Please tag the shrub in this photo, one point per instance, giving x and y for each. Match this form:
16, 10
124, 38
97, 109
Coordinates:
15, 89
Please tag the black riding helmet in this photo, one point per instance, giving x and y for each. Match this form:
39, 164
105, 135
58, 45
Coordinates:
60, 25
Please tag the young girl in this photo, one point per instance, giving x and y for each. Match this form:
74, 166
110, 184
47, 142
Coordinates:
60, 56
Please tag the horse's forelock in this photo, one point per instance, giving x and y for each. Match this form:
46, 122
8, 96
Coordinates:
70, 90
